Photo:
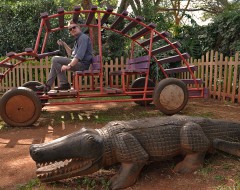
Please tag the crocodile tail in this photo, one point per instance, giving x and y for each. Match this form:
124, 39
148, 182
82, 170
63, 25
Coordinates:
227, 146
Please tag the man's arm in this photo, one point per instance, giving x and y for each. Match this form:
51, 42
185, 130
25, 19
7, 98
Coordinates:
70, 65
67, 48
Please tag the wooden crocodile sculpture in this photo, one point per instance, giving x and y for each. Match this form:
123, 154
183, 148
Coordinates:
134, 143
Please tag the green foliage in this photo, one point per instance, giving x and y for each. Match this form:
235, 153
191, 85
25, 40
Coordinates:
114, 45
222, 34
188, 36
21, 21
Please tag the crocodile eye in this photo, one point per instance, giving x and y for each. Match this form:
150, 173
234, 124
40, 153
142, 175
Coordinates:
91, 138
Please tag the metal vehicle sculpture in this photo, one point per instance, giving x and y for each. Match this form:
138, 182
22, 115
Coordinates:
21, 106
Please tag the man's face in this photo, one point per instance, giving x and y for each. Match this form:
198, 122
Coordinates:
74, 30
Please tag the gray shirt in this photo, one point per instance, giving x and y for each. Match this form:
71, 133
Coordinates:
82, 49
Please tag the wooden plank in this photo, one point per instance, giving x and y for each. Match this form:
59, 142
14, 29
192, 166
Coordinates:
119, 19
211, 72
206, 71
220, 83
47, 22
215, 78
1, 75
166, 48
139, 59
202, 76
91, 15
131, 25
28, 50
76, 13
180, 69
234, 82
117, 78
15, 56
229, 77
7, 65
239, 90
19, 73
143, 31
155, 38
43, 55
173, 58
30, 74
60, 11
191, 81
112, 70
106, 15
14, 77
225, 78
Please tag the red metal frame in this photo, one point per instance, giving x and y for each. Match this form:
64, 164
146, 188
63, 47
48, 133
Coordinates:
79, 95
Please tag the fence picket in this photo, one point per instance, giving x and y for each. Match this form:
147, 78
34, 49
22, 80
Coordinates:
220, 78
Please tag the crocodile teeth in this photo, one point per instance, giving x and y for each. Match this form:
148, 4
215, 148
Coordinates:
60, 167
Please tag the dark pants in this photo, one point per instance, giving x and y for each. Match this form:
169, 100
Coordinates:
57, 63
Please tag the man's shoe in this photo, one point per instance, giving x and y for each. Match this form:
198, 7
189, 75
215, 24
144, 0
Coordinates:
63, 87
43, 88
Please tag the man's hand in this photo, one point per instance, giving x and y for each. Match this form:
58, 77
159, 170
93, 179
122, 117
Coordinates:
65, 67
60, 42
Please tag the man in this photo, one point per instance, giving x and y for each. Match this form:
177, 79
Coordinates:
81, 58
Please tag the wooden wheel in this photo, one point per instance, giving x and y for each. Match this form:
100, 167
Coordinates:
170, 96
139, 84
20, 107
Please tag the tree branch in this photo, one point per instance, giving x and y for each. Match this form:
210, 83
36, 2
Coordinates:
187, 10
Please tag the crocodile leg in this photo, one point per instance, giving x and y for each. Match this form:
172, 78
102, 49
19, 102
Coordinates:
132, 157
194, 144
191, 163
127, 175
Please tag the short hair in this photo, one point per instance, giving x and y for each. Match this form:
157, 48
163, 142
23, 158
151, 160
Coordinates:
72, 22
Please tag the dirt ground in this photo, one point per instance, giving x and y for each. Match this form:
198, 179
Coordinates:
220, 171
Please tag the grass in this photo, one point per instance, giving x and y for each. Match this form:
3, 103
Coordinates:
30, 185
102, 116
235, 186
75, 184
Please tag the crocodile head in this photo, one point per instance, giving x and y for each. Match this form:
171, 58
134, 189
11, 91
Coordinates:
77, 154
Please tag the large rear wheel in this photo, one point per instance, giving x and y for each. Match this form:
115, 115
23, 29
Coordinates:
20, 107
170, 96
32, 85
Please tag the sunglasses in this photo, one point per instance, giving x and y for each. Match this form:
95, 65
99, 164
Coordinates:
72, 28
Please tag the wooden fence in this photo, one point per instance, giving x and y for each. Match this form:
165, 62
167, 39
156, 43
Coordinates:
221, 75
38, 71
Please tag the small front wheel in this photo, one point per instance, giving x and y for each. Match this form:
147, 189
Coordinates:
20, 107
32, 85
170, 96
138, 85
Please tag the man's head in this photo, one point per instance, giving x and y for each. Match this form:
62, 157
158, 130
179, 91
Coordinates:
74, 28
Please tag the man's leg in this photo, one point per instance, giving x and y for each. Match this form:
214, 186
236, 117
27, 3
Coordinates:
80, 66
57, 63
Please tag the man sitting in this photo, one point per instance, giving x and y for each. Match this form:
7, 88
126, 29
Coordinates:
81, 58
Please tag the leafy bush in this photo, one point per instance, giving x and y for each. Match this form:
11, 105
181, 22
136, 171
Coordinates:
21, 21
223, 34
